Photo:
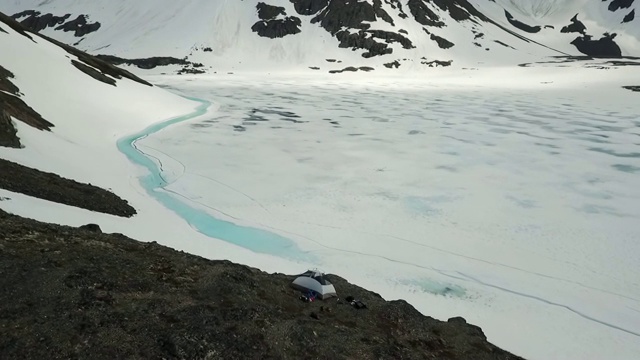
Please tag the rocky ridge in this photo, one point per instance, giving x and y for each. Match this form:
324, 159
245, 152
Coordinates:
78, 293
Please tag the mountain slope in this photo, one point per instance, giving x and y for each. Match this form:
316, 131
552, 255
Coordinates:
60, 110
277, 34
69, 293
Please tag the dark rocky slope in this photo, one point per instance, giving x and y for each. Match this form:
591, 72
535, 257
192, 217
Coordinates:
73, 293
104, 67
146, 63
36, 21
21, 179
520, 25
12, 106
605, 47
270, 26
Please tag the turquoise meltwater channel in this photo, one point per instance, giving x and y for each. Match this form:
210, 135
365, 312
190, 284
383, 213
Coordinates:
257, 240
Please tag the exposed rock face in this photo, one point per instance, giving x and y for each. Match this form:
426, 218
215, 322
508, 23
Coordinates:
70, 293
21, 179
436, 63
347, 21
102, 66
95, 228
79, 26
15, 26
309, 7
352, 69
352, 23
576, 26
35, 21
5, 82
146, 63
459, 10
423, 14
615, 5
520, 25
270, 26
267, 12
277, 28
93, 73
393, 64
604, 47
12, 106
8, 134
442, 42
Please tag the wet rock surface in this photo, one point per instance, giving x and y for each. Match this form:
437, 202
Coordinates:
72, 293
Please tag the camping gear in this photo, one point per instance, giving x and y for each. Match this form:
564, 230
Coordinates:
358, 304
314, 283
355, 302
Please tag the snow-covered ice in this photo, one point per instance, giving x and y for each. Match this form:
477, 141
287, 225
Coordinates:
513, 204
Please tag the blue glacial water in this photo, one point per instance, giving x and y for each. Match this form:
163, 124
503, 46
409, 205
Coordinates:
257, 240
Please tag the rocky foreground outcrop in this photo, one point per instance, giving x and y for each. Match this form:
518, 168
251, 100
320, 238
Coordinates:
76, 293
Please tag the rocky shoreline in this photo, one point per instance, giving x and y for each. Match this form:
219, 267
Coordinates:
78, 293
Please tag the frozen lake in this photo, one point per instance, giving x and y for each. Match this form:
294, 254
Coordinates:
515, 207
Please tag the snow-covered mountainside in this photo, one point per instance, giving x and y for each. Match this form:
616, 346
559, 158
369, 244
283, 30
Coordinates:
61, 102
61, 112
226, 35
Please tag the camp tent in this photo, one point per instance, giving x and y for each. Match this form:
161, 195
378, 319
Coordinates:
315, 281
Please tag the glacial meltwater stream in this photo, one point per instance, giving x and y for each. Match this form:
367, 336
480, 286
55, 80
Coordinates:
257, 240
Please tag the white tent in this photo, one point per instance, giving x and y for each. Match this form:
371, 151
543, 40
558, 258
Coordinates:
314, 280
